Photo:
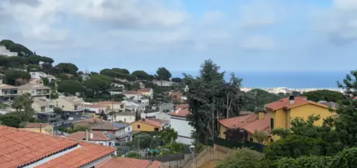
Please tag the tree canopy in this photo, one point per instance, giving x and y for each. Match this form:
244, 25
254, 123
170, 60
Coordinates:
324, 95
15, 77
163, 74
141, 75
66, 68
70, 87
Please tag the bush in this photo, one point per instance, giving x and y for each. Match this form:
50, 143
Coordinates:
346, 159
244, 158
305, 162
133, 155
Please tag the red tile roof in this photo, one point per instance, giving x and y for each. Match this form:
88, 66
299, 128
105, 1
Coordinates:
129, 163
87, 153
286, 104
249, 122
19, 148
181, 110
81, 135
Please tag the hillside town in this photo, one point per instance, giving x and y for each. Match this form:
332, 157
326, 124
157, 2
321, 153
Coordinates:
57, 116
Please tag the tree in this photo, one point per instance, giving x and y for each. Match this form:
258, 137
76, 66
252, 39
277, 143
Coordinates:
14, 77
97, 85
177, 80
346, 123
168, 135
22, 105
66, 68
256, 99
345, 159
10, 120
261, 136
244, 158
324, 95
70, 87
210, 97
304, 138
141, 75
305, 162
163, 74
15, 47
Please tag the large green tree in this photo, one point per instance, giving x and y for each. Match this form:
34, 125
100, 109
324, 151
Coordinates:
210, 98
255, 99
70, 87
163, 74
66, 68
346, 122
97, 85
141, 75
14, 77
23, 106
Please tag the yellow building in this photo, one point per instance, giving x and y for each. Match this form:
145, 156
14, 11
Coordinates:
148, 125
285, 110
39, 127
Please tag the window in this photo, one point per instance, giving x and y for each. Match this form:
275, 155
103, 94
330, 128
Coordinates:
156, 129
138, 126
272, 123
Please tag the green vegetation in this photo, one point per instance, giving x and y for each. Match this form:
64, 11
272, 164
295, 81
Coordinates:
244, 158
14, 77
255, 99
324, 95
211, 97
163, 74
141, 75
66, 68
70, 87
22, 105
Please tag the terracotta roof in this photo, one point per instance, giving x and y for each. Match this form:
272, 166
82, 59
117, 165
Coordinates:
249, 122
19, 148
87, 153
132, 92
181, 110
81, 135
129, 163
286, 104
36, 125
143, 90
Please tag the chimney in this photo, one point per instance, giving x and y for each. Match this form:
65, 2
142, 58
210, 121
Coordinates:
292, 99
91, 135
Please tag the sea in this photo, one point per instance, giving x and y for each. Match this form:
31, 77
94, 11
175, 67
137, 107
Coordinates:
273, 79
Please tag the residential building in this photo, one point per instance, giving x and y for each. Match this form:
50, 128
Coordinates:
134, 106
148, 125
163, 83
121, 162
69, 103
139, 94
285, 110
180, 123
157, 115
126, 117
7, 92
4, 51
246, 125
41, 75
147, 92
42, 104
35, 88
20, 148
177, 96
105, 107
96, 137
124, 134
44, 128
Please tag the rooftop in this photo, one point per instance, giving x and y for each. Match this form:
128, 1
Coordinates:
250, 123
286, 103
82, 135
20, 148
129, 163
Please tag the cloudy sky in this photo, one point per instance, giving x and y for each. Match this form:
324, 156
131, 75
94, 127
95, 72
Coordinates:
239, 35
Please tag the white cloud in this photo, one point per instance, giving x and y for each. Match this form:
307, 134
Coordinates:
257, 15
257, 43
340, 22
129, 13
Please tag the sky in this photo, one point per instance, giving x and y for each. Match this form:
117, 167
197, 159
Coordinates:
238, 35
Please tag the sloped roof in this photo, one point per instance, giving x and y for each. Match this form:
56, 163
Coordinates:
84, 155
19, 148
154, 122
181, 111
287, 104
250, 123
129, 163
81, 135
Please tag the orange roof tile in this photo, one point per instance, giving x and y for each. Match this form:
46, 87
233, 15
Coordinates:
181, 110
154, 122
81, 135
19, 147
286, 104
129, 163
249, 122
87, 153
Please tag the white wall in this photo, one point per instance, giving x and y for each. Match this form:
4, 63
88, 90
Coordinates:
183, 129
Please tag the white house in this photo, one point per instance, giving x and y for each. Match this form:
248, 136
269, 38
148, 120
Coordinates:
40, 75
180, 124
126, 117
